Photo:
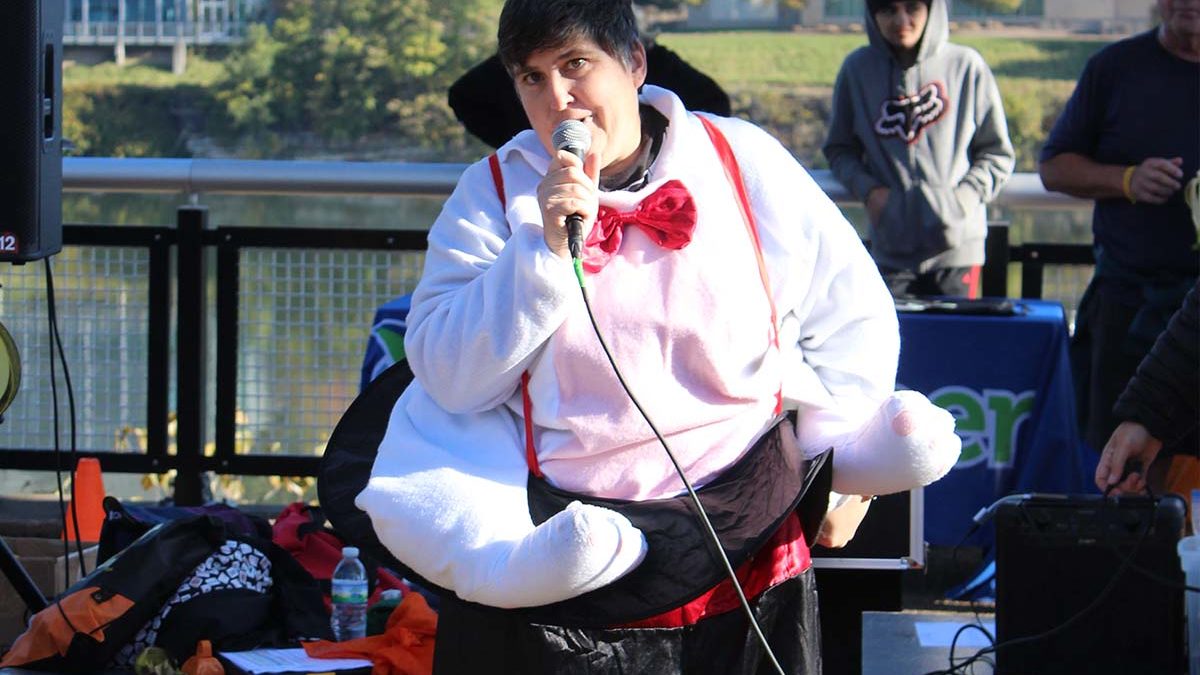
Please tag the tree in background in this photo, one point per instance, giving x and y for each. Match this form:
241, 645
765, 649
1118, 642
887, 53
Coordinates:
344, 68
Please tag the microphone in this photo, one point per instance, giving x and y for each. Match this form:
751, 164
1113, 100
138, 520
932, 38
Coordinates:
574, 137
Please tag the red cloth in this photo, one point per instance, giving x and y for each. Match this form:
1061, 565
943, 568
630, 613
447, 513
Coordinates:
319, 550
404, 648
783, 557
668, 217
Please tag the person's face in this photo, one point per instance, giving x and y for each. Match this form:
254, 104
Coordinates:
902, 23
1181, 17
580, 81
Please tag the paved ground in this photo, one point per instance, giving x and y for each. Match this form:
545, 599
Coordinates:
944, 569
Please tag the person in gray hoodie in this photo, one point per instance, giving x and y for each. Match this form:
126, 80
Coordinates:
918, 134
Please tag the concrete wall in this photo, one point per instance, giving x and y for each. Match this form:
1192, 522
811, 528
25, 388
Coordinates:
1102, 15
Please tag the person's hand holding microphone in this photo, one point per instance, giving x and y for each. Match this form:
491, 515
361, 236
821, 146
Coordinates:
569, 193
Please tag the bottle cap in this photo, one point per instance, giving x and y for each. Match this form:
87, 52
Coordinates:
349, 551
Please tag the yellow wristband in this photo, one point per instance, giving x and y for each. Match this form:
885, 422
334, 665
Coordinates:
1127, 183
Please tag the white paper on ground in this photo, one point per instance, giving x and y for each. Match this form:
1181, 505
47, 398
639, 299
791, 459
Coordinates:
288, 661
941, 633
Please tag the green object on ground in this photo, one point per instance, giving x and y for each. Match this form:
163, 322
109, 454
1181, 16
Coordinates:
378, 613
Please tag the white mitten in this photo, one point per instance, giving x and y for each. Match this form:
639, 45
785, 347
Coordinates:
472, 547
908, 443
579, 549
462, 522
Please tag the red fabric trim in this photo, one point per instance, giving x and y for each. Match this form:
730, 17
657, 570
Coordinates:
784, 556
971, 279
531, 459
498, 179
734, 174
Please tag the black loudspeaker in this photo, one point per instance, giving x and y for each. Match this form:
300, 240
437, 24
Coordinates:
30, 129
1055, 557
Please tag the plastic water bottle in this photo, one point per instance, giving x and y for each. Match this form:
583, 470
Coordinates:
349, 585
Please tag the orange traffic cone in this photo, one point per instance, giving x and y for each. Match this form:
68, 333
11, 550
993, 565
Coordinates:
88, 502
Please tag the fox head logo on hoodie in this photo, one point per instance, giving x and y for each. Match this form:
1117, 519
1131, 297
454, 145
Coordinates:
906, 117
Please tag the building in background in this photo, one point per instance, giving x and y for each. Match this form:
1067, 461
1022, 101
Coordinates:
97, 28
1097, 16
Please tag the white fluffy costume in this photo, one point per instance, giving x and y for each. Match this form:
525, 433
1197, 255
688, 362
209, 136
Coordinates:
690, 329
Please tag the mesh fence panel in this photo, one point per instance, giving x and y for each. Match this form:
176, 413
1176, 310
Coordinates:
102, 306
303, 321
1065, 284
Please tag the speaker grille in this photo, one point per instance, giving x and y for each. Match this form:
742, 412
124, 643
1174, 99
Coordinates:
1054, 558
30, 192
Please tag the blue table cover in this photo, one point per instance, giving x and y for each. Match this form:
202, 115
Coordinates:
1007, 380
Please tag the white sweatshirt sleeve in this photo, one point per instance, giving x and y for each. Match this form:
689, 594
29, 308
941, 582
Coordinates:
490, 295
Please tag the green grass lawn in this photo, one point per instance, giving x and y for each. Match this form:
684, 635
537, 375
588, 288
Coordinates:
744, 59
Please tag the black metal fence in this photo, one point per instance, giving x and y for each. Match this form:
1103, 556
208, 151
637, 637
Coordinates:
213, 273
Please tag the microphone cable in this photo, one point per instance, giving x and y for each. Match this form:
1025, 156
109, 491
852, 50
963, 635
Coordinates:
706, 525
56, 339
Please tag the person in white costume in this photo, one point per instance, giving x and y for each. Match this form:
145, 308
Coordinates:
719, 320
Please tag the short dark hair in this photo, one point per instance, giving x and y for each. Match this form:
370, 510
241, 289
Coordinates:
528, 26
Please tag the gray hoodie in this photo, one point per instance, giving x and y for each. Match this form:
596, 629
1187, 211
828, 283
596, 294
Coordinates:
934, 133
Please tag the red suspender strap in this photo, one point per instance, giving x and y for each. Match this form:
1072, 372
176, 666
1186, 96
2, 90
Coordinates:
526, 402
498, 179
734, 174
527, 406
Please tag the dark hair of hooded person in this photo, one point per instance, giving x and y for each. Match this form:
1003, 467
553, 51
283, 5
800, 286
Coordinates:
529, 26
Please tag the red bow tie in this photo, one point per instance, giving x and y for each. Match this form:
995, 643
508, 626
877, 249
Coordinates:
668, 217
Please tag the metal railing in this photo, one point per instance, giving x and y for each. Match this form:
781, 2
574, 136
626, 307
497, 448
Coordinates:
307, 178
288, 177
223, 301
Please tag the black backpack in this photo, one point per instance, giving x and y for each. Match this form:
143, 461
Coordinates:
182, 581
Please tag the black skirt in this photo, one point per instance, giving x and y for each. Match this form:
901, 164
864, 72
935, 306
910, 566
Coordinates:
746, 505
471, 641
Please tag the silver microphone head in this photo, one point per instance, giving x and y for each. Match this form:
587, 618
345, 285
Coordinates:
572, 136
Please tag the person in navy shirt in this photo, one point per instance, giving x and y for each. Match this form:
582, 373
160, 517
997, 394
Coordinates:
1129, 138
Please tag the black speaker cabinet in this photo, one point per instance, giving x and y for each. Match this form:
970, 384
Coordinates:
1056, 556
30, 129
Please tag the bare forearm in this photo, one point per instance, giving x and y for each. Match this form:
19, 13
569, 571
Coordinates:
1083, 177
842, 523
